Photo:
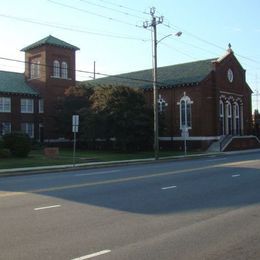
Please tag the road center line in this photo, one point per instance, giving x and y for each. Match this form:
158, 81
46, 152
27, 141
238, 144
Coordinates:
92, 255
95, 173
235, 175
105, 182
169, 187
48, 207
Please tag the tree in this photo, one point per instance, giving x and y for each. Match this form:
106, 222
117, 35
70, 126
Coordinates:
75, 98
119, 113
256, 123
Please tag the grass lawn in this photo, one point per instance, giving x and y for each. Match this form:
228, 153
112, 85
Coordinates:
37, 158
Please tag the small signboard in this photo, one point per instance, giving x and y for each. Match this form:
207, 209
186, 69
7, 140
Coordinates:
75, 123
75, 129
185, 132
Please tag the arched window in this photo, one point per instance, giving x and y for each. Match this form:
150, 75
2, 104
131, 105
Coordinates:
32, 70
237, 127
64, 70
56, 69
35, 69
185, 112
38, 69
228, 118
221, 117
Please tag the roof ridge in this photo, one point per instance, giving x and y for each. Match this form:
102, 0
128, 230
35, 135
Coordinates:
171, 75
7, 71
164, 67
50, 40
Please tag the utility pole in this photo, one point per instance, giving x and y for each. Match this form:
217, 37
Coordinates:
94, 74
153, 24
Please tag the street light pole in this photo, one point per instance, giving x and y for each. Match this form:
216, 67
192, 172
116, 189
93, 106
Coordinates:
153, 24
155, 93
155, 21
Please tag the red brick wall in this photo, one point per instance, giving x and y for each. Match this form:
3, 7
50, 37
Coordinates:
205, 97
50, 88
16, 118
238, 86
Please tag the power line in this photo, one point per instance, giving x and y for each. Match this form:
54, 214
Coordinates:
86, 71
111, 9
210, 43
123, 7
66, 27
175, 49
95, 14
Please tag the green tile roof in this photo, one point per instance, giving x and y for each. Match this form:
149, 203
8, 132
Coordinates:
186, 73
50, 40
12, 82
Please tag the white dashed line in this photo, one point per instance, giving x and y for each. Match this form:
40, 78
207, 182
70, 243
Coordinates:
48, 207
169, 187
235, 175
92, 255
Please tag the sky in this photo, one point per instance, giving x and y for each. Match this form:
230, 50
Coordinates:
111, 33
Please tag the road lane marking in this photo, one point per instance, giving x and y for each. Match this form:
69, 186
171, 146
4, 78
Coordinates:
235, 175
93, 255
169, 187
95, 173
106, 182
48, 207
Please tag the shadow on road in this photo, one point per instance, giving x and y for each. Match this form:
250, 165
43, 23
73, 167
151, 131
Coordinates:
201, 187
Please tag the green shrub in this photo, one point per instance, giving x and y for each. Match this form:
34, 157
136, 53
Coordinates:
4, 153
19, 144
1, 143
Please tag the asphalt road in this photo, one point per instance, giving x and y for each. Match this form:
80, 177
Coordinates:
196, 209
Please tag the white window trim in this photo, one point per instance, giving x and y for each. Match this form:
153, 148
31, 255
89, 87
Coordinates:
187, 100
5, 101
35, 68
222, 115
56, 69
41, 105
27, 105
6, 127
64, 70
27, 129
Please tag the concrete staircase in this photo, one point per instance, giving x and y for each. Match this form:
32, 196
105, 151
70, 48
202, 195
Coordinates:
229, 142
221, 144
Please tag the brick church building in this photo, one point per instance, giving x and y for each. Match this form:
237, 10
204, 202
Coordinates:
207, 102
203, 101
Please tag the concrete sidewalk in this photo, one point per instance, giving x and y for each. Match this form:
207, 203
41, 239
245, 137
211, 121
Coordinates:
80, 166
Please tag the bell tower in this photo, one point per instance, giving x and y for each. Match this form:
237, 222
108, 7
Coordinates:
50, 70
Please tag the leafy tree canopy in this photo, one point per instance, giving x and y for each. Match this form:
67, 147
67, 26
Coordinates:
112, 115
121, 113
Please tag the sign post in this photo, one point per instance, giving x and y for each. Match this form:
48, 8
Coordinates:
185, 135
75, 129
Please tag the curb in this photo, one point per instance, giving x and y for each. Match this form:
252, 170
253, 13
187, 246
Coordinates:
91, 165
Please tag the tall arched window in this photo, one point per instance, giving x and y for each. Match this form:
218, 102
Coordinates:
228, 118
35, 68
237, 127
32, 70
185, 112
56, 69
64, 70
221, 117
